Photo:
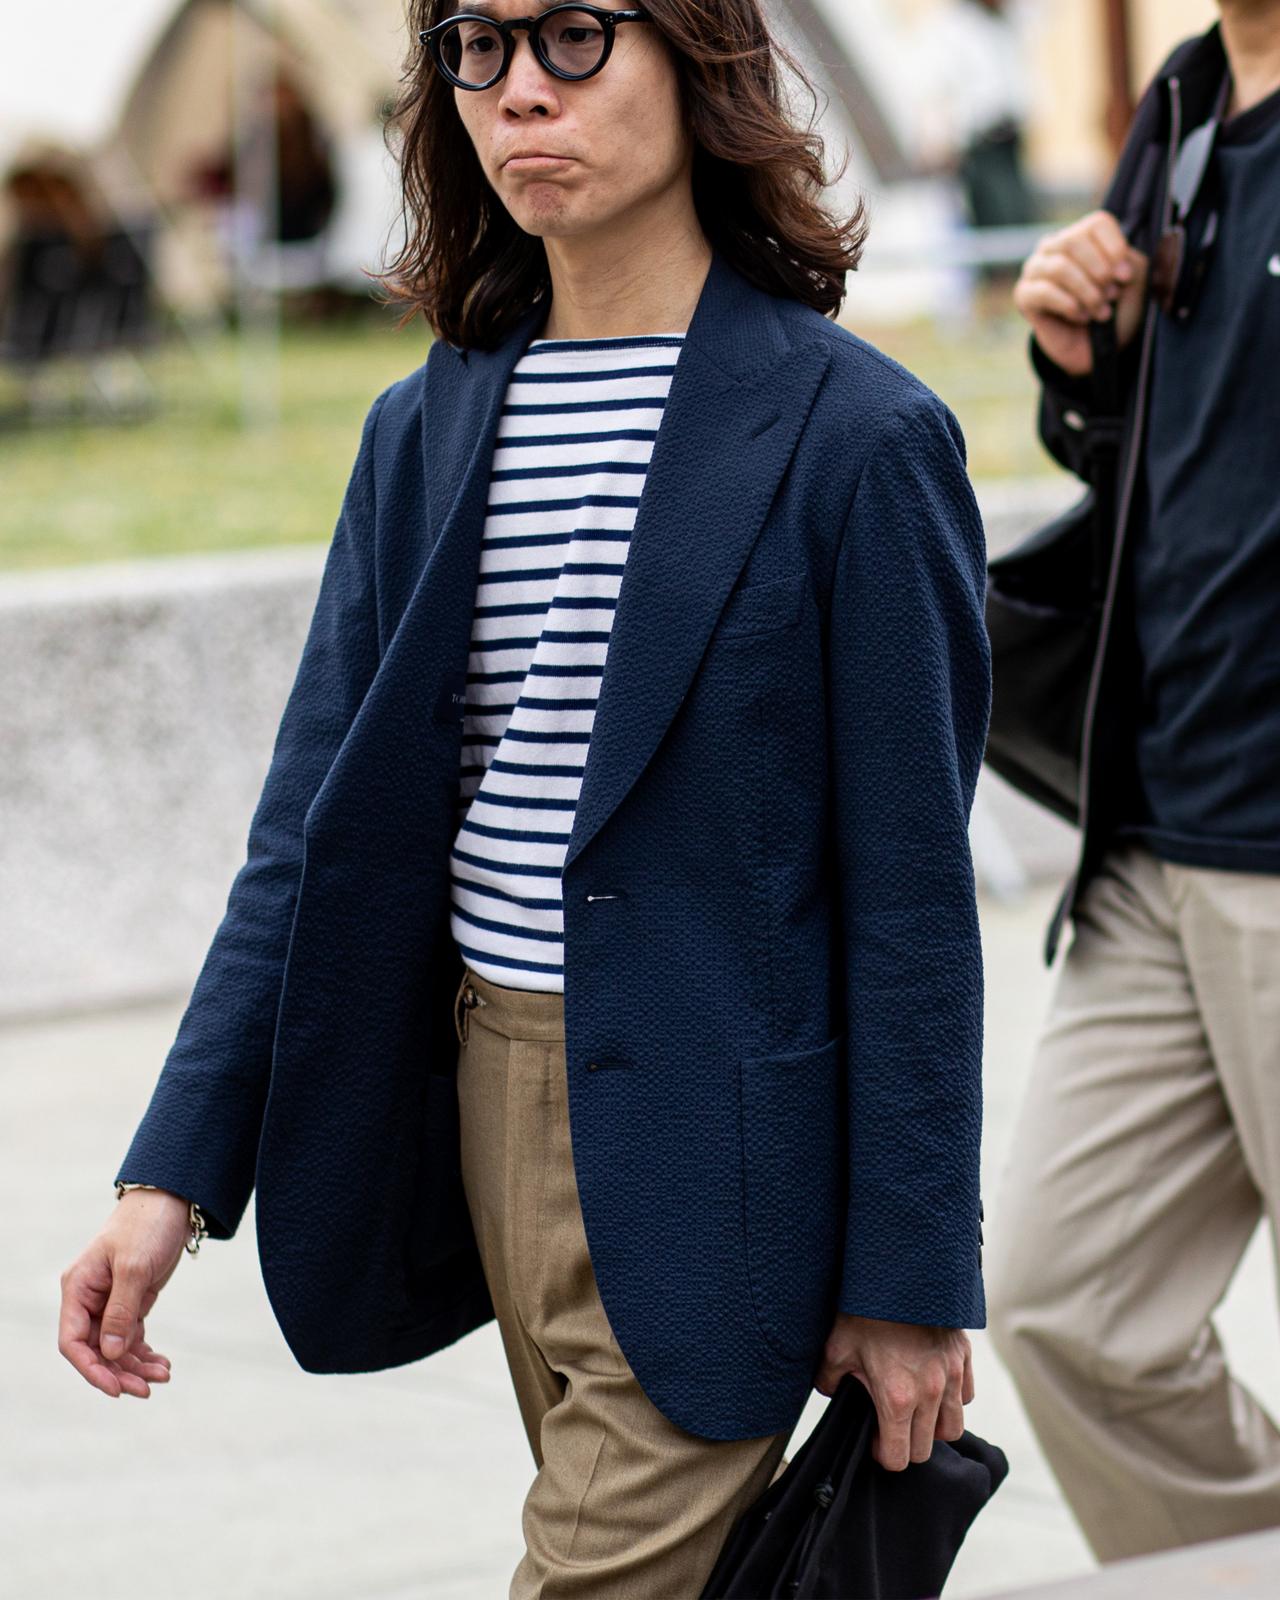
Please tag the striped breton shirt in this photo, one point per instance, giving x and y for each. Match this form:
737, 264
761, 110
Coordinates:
573, 446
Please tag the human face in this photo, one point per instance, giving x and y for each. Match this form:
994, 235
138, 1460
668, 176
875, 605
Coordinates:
572, 158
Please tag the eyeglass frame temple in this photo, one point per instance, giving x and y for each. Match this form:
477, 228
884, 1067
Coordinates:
532, 26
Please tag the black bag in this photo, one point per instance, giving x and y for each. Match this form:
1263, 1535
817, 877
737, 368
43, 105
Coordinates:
1044, 612
836, 1525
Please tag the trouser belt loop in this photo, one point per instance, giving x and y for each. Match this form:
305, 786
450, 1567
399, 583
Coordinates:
466, 1001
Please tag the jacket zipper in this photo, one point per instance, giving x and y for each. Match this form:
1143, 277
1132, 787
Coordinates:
1120, 530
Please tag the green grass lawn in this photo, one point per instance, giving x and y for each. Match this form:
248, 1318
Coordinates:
191, 478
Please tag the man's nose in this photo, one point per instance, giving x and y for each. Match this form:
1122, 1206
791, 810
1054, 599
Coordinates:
528, 83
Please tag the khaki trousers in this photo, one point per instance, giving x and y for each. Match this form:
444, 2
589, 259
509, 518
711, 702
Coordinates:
625, 1505
1147, 1149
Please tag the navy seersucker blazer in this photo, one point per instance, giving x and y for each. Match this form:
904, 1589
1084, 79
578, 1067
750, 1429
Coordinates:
771, 939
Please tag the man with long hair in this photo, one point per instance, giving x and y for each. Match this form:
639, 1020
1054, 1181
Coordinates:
668, 1058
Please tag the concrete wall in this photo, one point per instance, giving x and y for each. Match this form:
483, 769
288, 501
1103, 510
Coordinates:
140, 707
140, 704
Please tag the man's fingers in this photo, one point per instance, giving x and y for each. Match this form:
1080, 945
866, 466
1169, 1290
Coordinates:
1107, 235
924, 1427
74, 1325
1091, 256
950, 1423
150, 1369
1086, 253
77, 1340
119, 1320
1040, 297
931, 1395
150, 1357
892, 1446
895, 1407
1064, 272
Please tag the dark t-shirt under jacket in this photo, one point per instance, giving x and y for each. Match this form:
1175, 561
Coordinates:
1205, 553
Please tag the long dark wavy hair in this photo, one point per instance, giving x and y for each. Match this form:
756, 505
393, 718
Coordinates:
758, 181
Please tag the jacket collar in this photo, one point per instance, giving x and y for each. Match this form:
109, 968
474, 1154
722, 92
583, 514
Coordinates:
1199, 65
741, 393
736, 333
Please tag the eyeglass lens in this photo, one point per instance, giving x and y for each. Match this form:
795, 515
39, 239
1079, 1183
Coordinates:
572, 43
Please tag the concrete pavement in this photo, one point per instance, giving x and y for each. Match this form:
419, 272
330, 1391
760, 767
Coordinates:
246, 1477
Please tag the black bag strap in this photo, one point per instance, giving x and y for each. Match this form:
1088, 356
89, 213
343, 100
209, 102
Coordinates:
1105, 433
1107, 396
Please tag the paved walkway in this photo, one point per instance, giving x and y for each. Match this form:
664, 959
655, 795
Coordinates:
246, 1477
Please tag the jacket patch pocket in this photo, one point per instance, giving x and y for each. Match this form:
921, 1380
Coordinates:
794, 1143
764, 607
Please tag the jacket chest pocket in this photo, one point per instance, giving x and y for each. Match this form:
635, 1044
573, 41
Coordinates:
765, 607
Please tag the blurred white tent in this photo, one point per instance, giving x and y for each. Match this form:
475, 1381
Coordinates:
150, 92
66, 67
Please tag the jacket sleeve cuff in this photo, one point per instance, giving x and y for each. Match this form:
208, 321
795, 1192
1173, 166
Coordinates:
1073, 389
173, 1149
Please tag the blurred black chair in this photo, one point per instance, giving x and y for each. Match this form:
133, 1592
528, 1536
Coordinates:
88, 307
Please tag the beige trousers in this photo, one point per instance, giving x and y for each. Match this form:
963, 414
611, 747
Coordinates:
1148, 1147
625, 1505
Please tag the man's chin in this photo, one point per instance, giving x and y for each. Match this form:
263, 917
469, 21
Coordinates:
551, 222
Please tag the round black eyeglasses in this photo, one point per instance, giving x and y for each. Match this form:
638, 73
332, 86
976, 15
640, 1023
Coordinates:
571, 41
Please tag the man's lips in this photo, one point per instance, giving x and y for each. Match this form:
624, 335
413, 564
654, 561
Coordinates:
530, 160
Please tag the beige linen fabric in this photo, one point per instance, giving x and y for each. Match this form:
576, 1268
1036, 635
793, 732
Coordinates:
625, 1505
1148, 1146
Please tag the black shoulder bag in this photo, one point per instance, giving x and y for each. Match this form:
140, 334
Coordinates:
1044, 612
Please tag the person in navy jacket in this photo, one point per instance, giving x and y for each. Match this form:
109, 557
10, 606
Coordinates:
755, 963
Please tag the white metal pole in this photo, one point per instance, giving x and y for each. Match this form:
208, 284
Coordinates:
254, 211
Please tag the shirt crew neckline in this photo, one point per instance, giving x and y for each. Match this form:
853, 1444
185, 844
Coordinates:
623, 342
1253, 122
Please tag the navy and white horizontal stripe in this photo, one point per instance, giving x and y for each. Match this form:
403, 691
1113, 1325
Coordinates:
573, 446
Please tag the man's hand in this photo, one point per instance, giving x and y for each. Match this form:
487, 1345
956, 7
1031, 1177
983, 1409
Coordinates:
1075, 277
920, 1378
110, 1287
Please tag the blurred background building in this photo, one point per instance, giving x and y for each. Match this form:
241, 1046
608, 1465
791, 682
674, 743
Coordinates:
133, 143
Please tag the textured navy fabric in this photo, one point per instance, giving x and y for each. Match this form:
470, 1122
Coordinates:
773, 973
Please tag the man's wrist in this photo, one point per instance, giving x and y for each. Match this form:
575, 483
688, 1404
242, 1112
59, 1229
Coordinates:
1074, 387
195, 1219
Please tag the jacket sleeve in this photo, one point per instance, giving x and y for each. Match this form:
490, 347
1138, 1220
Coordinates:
909, 697
199, 1133
1066, 399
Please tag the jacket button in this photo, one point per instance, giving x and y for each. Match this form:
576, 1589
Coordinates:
592, 1065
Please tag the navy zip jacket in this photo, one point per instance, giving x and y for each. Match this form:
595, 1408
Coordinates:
773, 974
